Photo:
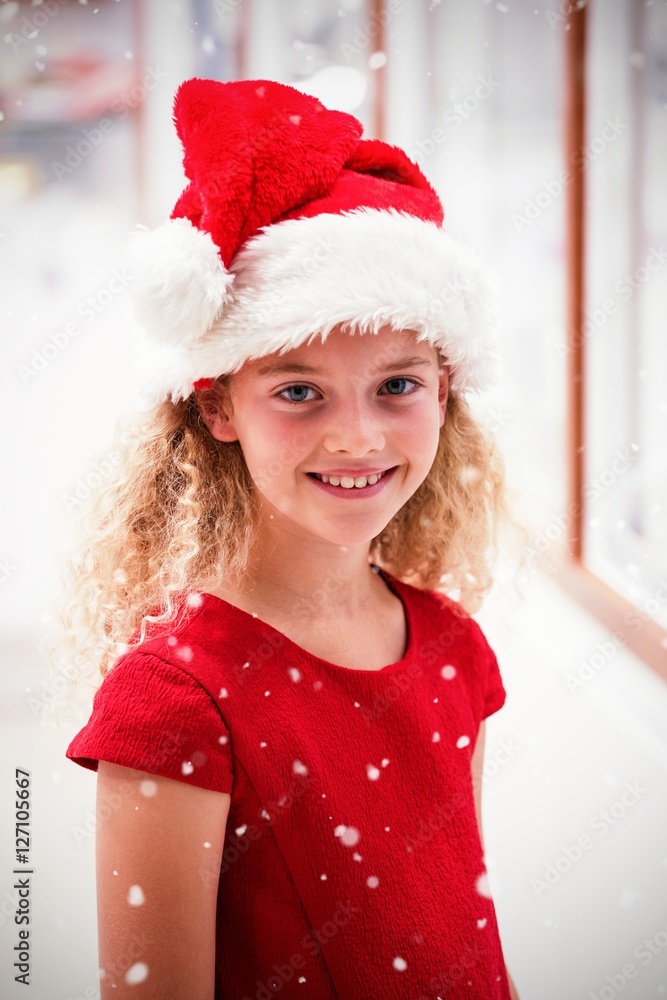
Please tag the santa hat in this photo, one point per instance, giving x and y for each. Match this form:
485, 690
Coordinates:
290, 225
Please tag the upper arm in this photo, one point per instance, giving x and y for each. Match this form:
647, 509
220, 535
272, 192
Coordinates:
476, 766
159, 846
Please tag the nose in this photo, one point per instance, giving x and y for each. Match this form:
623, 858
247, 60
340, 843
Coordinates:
354, 427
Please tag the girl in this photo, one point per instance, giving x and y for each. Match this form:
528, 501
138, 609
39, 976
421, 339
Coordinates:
289, 732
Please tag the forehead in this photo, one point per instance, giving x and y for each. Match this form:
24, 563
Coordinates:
349, 348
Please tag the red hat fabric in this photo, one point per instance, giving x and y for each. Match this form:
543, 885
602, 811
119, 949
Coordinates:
290, 224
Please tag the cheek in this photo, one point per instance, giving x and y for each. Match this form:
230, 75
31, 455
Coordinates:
274, 445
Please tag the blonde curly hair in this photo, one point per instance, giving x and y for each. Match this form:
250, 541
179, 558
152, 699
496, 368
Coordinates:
182, 506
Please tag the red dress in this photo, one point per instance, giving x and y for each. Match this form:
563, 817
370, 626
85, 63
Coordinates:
352, 866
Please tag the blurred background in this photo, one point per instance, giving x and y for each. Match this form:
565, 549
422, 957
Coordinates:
542, 124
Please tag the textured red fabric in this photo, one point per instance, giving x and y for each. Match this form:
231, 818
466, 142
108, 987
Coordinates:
257, 152
352, 854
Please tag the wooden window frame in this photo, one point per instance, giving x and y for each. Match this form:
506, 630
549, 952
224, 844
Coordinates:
649, 640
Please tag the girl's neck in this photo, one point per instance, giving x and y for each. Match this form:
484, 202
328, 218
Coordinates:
295, 578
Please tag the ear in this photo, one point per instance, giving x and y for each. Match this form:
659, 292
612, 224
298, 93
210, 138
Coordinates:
215, 406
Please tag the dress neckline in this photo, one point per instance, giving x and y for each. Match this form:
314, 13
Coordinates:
396, 586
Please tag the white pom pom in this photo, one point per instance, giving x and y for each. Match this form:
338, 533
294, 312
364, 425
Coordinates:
180, 283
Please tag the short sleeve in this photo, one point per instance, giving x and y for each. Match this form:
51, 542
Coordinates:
494, 690
155, 717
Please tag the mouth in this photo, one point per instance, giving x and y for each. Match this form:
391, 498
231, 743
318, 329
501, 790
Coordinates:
351, 482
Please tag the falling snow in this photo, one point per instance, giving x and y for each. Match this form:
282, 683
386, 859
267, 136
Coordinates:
148, 788
299, 768
135, 896
448, 672
463, 741
349, 835
482, 885
372, 881
187, 767
295, 674
136, 973
377, 60
400, 964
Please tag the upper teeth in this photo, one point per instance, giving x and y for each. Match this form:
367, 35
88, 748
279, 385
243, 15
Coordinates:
348, 482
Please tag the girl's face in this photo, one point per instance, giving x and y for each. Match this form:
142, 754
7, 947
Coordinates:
353, 407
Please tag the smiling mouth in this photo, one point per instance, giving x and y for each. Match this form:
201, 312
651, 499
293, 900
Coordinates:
348, 482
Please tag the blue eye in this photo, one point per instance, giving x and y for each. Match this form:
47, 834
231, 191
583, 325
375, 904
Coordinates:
307, 388
399, 382
300, 389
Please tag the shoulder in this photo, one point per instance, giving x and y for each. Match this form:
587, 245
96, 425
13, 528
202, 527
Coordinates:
203, 640
444, 623
436, 607
447, 608
158, 710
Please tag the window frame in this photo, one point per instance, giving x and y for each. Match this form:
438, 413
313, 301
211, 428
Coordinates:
648, 640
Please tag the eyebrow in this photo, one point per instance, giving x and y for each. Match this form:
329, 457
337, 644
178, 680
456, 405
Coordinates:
286, 367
